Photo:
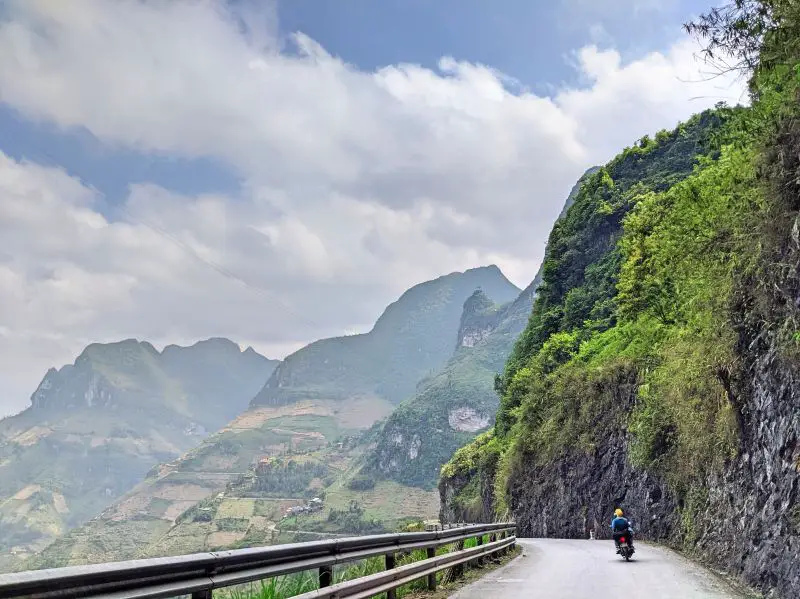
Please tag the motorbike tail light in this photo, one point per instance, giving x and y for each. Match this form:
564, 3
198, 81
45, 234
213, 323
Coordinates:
622, 539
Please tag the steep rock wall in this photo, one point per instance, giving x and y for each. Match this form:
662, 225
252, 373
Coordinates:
745, 519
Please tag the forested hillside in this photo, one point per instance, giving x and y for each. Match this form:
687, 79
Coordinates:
658, 370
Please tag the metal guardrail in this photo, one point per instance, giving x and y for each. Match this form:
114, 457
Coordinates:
198, 574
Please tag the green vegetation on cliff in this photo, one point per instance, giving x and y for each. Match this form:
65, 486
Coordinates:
635, 286
672, 255
583, 259
644, 299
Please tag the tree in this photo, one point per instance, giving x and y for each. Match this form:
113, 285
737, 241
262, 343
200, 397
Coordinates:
745, 35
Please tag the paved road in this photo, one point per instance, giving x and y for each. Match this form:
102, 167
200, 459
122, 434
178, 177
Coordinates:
591, 570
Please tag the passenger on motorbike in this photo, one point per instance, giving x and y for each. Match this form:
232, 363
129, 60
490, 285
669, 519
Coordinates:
621, 527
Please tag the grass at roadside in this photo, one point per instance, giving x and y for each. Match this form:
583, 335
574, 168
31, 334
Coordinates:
284, 587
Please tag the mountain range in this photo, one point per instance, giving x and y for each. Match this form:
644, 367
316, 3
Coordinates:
315, 417
412, 338
96, 427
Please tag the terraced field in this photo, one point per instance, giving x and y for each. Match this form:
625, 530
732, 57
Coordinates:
208, 499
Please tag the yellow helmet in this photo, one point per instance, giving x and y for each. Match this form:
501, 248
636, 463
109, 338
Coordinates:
618, 512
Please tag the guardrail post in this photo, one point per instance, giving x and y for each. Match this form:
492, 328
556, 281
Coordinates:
325, 576
390, 561
479, 542
458, 570
431, 552
206, 594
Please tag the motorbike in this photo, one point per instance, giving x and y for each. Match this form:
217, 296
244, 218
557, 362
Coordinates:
625, 547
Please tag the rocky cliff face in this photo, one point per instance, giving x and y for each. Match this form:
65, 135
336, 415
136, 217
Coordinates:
478, 319
576, 493
480, 509
747, 520
750, 521
466, 491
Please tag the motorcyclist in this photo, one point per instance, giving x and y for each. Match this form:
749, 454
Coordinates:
621, 526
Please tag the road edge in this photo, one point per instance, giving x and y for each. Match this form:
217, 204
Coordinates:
472, 574
726, 578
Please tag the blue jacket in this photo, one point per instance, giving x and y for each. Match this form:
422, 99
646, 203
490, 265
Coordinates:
620, 524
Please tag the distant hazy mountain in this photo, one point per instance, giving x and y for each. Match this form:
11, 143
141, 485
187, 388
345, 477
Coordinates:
325, 392
94, 429
412, 338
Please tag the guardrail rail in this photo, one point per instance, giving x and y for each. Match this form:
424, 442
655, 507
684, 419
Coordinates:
200, 573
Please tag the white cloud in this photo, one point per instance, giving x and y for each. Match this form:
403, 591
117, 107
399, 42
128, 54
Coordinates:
356, 184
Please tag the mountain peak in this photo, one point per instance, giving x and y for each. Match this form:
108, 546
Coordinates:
477, 302
489, 278
129, 344
411, 338
489, 268
478, 319
135, 372
220, 342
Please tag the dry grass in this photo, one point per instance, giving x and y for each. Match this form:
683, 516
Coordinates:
388, 501
31, 436
361, 412
258, 417
176, 509
181, 492
60, 503
261, 523
26, 492
235, 508
130, 507
223, 538
353, 413
216, 462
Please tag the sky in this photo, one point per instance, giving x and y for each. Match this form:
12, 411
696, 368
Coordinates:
277, 172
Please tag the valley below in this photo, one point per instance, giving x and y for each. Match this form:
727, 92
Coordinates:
294, 464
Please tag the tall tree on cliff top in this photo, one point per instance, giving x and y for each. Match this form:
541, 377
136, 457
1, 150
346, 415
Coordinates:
748, 35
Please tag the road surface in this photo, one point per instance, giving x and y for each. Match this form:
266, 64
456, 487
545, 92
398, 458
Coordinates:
580, 569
